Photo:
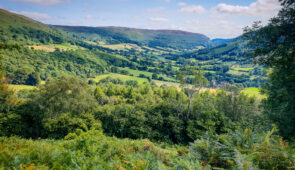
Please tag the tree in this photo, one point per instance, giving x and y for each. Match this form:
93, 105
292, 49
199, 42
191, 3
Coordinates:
10, 123
6, 95
63, 95
100, 96
33, 79
274, 46
155, 76
198, 82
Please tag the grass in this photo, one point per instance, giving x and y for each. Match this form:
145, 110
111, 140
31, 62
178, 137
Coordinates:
155, 51
253, 91
67, 47
207, 71
160, 83
137, 72
241, 69
120, 76
235, 72
21, 87
53, 47
149, 74
129, 46
118, 46
177, 85
122, 46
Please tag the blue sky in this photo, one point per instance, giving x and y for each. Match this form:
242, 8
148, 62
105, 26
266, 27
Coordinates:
214, 18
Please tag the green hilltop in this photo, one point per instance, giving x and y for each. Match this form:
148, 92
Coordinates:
23, 30
152, 38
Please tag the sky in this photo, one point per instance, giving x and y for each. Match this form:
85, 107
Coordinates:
213, 18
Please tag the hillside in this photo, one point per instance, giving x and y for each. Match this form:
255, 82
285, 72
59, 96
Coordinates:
143, 37
219, 41
23, 30
226, 63
31, 50
118, 98
88, 52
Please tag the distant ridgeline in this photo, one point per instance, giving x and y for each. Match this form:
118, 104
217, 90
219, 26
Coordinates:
33, 50
142, 37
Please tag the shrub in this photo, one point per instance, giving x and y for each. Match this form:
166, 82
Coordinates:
59, 127
244, 150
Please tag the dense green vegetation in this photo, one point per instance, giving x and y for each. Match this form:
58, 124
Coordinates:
276, 51
93, 150
73, 112
60, 51
90, 107
54, 110
152, 38
23, 30
229, 63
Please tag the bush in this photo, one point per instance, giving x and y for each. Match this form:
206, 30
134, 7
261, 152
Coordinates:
62, 95
244, 150
59, 127
133, 83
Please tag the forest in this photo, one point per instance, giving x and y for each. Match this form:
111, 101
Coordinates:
68, 102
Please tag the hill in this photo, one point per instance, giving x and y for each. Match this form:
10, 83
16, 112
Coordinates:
32, 49
219, 41
87, 52
226, 63
143, 37
23, 30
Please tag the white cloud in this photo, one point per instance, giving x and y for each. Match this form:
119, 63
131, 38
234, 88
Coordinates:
181, 4
215, 28
158, 19
261, 8
193, 21
176, 27
36, 15
42, 2
155, 10
136, 17
88, 17
168, 1
193, 9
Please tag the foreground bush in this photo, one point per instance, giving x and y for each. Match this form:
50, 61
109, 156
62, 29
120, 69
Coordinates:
244, 150
86, 150
93, 150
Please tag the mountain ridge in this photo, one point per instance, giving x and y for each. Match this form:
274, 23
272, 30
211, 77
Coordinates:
176, 39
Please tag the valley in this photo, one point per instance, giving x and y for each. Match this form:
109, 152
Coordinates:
126, 51
118, 98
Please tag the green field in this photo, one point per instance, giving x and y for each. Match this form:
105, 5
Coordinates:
241, 69
21, 87
137, 72
148, 74
120, 76
253, 91
235, 72
53, 47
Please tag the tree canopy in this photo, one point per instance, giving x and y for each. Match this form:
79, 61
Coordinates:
274, 46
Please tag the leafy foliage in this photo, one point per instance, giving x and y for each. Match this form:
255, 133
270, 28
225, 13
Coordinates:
190, 128
244, 150
151, 38
273, 46
17, 28
91, 149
